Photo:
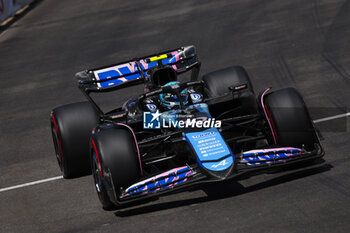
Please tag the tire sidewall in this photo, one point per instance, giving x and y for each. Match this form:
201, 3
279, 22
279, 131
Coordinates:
290, 123
114, 156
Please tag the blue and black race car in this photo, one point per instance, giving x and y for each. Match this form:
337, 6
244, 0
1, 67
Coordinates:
178, 134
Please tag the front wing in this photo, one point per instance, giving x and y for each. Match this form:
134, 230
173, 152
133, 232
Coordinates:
185, 176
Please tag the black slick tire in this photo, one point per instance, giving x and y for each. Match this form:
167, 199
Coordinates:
71, 127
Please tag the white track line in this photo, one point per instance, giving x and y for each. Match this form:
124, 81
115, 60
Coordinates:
61, 177
31, 183
3, 33
332, 117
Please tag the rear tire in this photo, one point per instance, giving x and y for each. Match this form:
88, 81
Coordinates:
71, 127
291, 124
218, 84
219, 81
115, 162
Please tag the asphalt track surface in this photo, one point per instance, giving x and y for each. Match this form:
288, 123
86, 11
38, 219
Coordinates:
304, 44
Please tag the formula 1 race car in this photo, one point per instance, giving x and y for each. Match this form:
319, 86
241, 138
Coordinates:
177, 134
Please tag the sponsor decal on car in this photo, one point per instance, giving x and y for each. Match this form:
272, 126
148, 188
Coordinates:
151, 107
211, 150
196, 98
222, 163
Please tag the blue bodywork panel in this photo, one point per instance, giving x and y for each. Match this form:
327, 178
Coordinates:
210, 146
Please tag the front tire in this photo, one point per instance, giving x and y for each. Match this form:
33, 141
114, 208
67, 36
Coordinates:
115, 162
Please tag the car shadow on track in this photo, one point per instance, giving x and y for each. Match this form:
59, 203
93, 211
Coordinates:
227, 189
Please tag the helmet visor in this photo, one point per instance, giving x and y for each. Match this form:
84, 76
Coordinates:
174, 98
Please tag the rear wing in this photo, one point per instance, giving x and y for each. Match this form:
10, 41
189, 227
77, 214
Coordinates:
133, 72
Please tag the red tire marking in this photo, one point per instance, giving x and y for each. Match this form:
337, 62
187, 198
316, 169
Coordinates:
54, 121
59, 141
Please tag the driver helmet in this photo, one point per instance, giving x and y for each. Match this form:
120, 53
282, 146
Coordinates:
169, 100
